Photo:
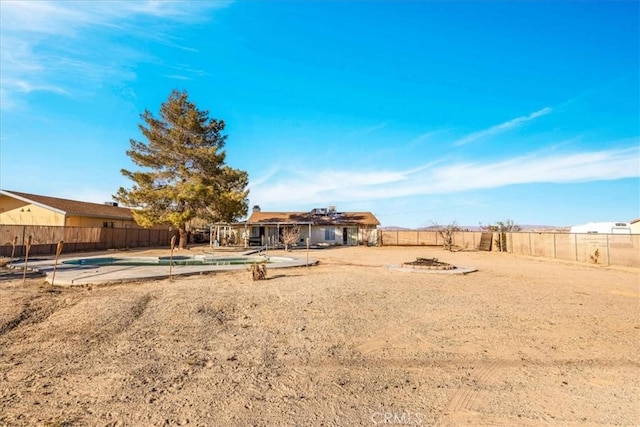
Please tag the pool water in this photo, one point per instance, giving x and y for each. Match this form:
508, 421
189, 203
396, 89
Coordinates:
176, 260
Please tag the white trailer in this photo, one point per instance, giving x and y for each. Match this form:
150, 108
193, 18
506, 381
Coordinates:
602, 228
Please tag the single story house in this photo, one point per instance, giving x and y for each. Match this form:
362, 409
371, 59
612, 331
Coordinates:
323, 226
30, 209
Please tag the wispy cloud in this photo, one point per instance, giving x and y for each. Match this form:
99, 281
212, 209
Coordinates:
425, 137
264, 178
184, 72
502, 127
329, 186
68, 47
368, 130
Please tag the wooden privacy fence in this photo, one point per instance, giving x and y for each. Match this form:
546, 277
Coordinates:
44, 239
605, 249
464, 239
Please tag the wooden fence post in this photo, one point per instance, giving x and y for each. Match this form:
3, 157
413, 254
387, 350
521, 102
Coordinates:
24, 231
26, 259
13, 250
55, 266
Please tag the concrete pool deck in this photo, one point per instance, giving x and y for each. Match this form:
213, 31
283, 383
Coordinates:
75, 275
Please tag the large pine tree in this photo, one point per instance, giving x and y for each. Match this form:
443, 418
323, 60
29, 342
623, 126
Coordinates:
184, 173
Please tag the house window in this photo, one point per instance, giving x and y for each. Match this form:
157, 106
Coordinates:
330, 234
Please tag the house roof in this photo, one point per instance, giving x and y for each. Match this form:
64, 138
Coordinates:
340, 218
72, 207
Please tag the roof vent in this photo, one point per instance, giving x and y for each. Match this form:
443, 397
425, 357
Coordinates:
256, 208
111, 203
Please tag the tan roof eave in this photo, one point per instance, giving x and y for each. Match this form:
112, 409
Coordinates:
24, 199
128, 218
280, 223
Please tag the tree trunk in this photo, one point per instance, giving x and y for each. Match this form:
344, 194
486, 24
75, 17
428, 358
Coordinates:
183, 237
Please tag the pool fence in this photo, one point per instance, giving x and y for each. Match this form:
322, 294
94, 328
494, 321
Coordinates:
44, 239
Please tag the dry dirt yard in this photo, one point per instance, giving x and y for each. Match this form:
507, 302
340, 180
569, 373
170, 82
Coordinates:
523, 341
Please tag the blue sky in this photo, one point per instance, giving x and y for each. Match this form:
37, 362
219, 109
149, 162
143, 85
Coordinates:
421, 112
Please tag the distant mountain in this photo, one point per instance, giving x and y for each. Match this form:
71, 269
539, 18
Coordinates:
462, 227
545, 228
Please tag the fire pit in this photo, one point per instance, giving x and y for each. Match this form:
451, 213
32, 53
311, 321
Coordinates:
429, 264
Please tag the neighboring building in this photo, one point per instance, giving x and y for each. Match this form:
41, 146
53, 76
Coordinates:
323, 226
635, 226
31, 209
602, 228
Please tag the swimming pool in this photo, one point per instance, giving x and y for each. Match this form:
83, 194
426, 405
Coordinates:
176, 260
113, 269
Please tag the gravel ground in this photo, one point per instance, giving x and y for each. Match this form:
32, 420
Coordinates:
522, 341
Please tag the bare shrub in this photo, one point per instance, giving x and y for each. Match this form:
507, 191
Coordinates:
368, 236
447, 233
290, 236
259, 271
